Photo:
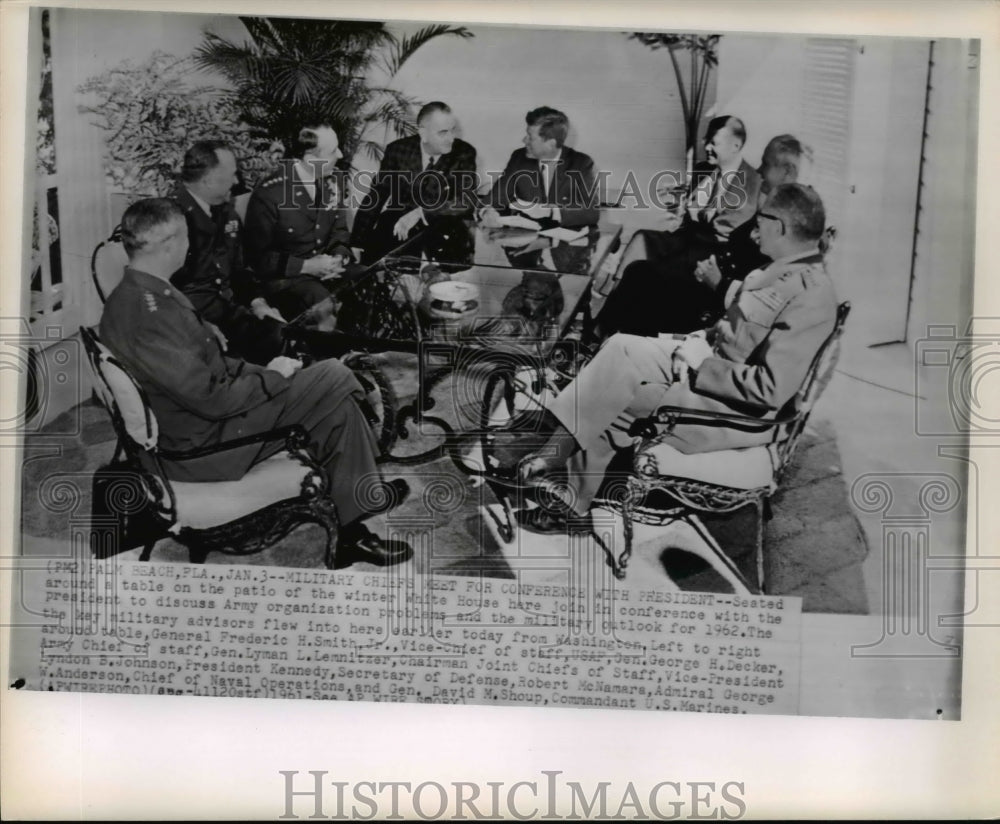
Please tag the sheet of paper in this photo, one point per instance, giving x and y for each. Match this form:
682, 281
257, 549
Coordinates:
564, 235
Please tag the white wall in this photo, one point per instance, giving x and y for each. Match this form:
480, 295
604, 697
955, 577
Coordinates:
760, 81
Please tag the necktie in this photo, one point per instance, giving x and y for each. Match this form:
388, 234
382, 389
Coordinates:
318, 196
546, 178
430, 163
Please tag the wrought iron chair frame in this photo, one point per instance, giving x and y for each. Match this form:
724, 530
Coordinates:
246, 535
694, 496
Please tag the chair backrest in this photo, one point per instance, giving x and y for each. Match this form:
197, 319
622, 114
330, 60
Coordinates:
817, 377
107, 264
126, 403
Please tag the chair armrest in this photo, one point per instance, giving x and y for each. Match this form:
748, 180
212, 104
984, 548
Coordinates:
670, 416
295, 437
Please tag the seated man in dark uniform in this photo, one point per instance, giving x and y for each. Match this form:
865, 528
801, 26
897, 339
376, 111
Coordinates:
296, 237
214, 263
655, 296
546, 180
780, 163
201, 397
426, 176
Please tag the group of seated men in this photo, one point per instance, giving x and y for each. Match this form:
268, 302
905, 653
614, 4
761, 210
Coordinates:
202, 286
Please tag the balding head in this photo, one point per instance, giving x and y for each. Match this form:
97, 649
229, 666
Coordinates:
724, 140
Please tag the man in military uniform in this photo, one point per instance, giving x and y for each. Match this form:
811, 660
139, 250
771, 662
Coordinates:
296, 237
650, 299
214, 260
752, 361
200, 397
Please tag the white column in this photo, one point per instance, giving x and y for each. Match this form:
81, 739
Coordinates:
84, 206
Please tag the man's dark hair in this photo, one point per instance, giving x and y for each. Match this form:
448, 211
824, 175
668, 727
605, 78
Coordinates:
201, 158
142, 217
801, 209
726, 121
552, 123
308, 139
430, 108
786, 150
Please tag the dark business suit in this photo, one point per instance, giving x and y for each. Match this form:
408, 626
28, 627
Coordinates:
213, 267
572, 186
402, 184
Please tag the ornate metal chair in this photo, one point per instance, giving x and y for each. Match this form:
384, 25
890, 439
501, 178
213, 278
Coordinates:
716, 482
233, 517
107, 263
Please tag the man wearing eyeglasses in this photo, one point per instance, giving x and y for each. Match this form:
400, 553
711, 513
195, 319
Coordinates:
752, 362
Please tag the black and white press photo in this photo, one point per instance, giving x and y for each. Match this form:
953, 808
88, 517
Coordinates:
400, 359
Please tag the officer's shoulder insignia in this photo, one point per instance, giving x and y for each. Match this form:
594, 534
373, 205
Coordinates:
770, 296
272, 179
151, 304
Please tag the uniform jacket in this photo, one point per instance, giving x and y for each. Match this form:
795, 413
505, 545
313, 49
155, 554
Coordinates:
572, 188
215, 254
199, 396
285, 226
763, 348
450, 190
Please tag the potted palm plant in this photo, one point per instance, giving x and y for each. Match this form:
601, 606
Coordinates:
290, 72
702, 59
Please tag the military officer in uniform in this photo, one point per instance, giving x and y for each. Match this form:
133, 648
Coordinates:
751, 362
214, 262
201, 397
296, 237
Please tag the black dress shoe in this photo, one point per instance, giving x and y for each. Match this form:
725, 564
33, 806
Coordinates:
386, 497
552, 521
358, 543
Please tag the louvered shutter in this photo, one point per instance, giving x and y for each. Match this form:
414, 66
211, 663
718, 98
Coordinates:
827, 97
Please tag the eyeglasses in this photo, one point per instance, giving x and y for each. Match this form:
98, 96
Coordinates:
767, 216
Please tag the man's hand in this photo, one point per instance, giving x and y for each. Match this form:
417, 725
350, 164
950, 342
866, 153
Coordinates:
223, 341
406, 223
285, 366
689, 355
707, 272
489, 218
323, 266
262, 309
532, 210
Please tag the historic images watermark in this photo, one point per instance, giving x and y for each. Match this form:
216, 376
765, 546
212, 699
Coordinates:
313, 794
430, 189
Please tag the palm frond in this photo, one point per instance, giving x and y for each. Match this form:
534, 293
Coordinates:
403, 49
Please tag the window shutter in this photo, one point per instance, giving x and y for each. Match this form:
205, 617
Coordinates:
827, 93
